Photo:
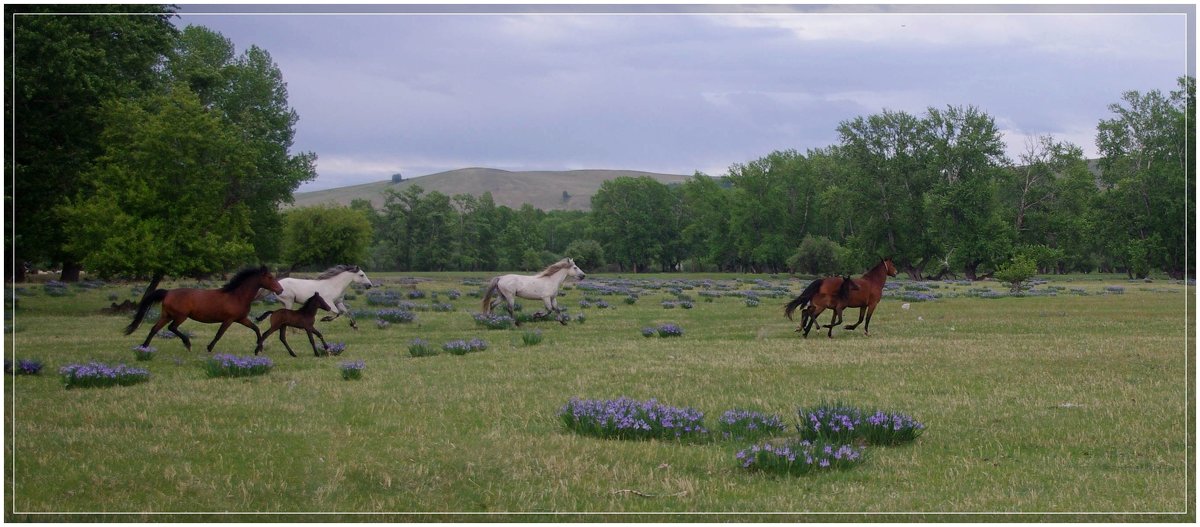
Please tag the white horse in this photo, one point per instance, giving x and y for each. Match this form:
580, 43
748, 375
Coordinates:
332, 285
542, 286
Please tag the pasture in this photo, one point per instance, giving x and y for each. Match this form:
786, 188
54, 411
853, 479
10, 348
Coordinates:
1076, 405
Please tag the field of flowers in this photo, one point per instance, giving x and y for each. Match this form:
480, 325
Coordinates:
663, 394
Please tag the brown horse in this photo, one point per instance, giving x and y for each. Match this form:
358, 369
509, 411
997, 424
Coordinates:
302, 318
839, 286
865, 296
226, 305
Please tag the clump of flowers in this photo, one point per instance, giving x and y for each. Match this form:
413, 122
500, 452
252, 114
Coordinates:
749, 425
751, 302
686, 304
95, 374
23, 367
144, 352
382, 324
883, 428
421, 348
352, 370
333, 348
415, 294
396, 315
631, 299
227, 365
493, 320
800, 457
463, 347
532, 338
626, 418
834, 423
648, 332
601, 304
1115, 290
667, 304
580, 318
670, 330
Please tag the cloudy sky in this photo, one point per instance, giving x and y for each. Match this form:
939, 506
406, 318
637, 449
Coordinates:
418, 93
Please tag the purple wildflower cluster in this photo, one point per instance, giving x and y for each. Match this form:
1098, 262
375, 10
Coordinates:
227, 365
94, 374
834, 423
334, 348
396, 315
883, 428
144, 352
463, 347
748, 424
493, 320
800, 457
648, 332
670, 330
352, 369
23, 367
532, 338
421, 348
626, 418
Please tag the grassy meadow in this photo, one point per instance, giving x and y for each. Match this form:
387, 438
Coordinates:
1063, 407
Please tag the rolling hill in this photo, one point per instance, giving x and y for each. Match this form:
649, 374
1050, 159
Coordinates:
541, 189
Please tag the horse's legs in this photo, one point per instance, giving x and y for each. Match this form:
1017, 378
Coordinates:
511, 301
313, 331
266, 334
221, 331
162, 321
870, 311
174, 327
861, 311
342, 309
816, 311
283, 339
245, 321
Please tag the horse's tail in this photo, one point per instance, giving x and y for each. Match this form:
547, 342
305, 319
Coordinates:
804, 298
150, 299
264, 316
487, 297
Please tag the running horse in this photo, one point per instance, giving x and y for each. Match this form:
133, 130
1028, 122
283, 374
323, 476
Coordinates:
331, 285
832, 293
302, 318
226, 305
542, 286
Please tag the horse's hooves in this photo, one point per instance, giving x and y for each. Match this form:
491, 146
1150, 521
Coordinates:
327, 318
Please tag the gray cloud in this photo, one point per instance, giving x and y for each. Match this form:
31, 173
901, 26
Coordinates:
417, 94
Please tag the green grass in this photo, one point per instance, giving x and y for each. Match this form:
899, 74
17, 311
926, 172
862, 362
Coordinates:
1055, 405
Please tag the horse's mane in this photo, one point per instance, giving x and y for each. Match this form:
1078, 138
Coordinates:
565, 263
336, 270
242, 276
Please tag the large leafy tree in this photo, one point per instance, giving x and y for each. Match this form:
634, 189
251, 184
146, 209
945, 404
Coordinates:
151, 206
322, 236
248, 92
632, 219
1149, 179
61, 68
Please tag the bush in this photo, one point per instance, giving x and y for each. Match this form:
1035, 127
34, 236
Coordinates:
532, 338
817, 255
588, 254
1016, 271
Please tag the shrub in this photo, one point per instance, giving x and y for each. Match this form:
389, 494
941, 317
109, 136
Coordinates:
626, 418
95, 374
749, 425
884, 428
800, 457
352, 370
144, 352
226, 365
421, 348
1016, 271
817, 255
833, 423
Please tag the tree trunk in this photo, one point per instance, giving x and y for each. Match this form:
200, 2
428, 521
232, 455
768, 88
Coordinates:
971, 270
70, 271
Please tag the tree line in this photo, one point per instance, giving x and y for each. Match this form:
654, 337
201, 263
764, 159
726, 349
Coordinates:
143, 150
935, 191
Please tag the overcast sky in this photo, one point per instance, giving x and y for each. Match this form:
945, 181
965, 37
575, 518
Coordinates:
380, 93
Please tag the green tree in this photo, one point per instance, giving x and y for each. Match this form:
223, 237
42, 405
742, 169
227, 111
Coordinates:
631, 218
817, 255
249, 93
323, 236
704, 230
588, 254
60, 70
1049, 198
1148, 177
1016, 271
151, 206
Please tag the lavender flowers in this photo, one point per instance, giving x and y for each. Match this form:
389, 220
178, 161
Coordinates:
23, 367
226, 365
352, 370
95, 374
800, 457
626, 418
749, 425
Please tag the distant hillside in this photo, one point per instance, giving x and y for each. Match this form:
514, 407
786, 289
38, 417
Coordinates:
541, 189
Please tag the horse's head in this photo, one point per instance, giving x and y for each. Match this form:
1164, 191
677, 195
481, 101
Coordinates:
266, 280
317, 301
575, 270
889, 266
361, 278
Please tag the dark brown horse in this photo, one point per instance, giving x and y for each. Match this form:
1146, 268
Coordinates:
226, 305
865, 296
840, 286
302, 318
